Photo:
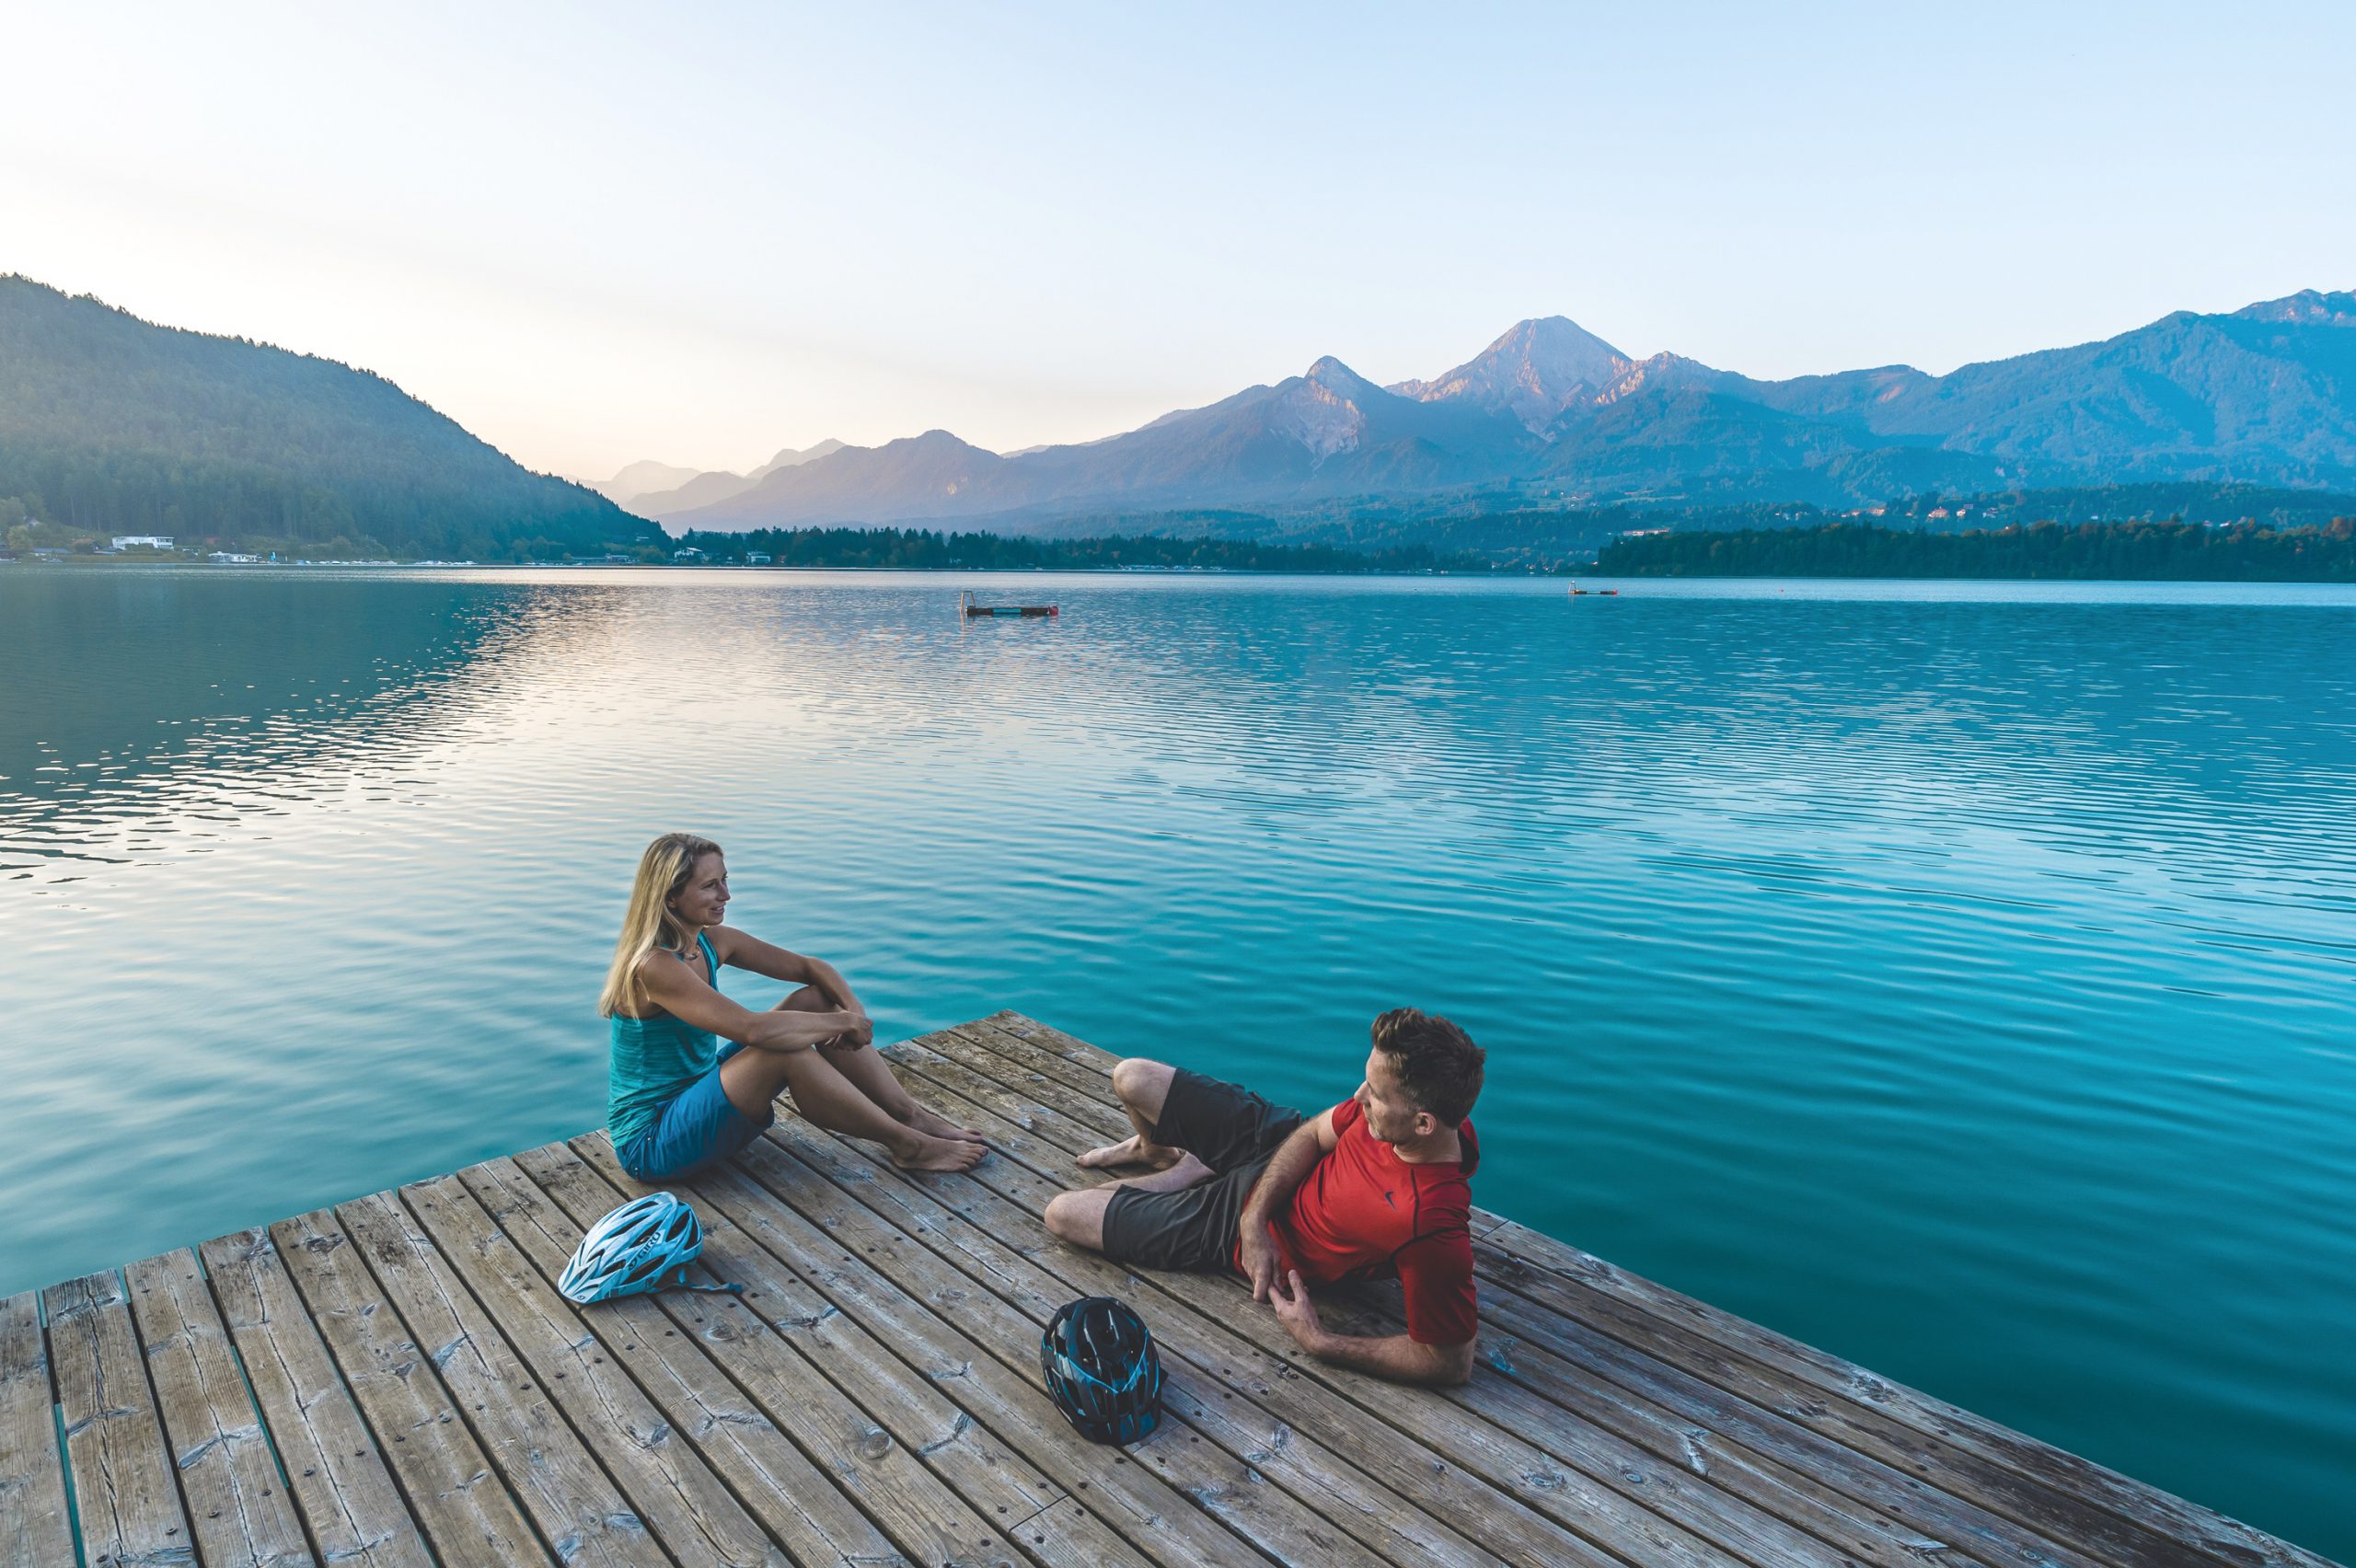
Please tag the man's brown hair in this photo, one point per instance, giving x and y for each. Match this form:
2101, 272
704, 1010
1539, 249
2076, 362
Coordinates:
1436, 1063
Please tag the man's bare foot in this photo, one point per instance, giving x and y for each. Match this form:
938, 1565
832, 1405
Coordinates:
932, 1123
1131, 1150
924, 1152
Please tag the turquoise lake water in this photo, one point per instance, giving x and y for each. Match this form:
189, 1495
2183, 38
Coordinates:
1957, 977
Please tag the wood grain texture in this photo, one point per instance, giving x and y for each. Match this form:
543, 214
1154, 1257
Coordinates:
457, 1500
350, 1503
706, 1408
126, 1495
938, 1481
237, 1502
34, 1529
1139, 1506
674, 1490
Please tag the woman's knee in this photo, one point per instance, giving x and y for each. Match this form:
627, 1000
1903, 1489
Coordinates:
808, 999
1143, 1084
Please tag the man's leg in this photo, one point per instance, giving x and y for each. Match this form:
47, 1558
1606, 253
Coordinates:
873, 1077
1079, 1217
1141, 1086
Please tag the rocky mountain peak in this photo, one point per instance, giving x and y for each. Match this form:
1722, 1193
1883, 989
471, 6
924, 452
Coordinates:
1338, 378
1325, 411
2308, 307
1534, 371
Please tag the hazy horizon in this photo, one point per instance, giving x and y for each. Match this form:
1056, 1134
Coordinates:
596, 236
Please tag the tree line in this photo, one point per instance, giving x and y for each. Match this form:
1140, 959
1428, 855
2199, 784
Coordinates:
927, 550
2168, 552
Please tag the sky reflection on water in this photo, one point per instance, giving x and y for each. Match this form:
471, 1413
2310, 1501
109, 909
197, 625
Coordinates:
1955, 976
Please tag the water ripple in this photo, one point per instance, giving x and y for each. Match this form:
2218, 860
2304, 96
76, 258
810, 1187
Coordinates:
1957, 976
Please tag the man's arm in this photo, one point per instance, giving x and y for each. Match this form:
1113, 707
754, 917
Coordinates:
1392, 1356
1287, 1168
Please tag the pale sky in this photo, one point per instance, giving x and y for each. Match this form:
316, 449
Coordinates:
595, 234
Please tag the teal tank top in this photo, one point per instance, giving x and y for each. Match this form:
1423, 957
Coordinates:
654, 1060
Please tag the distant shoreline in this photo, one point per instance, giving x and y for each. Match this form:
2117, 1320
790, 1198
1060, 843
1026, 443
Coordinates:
109, 563
2039, 552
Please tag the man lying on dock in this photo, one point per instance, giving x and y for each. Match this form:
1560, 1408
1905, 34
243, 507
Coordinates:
1376, 1186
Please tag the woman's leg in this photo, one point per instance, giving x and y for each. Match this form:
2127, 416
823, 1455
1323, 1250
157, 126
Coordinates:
752, 1078
874, 1078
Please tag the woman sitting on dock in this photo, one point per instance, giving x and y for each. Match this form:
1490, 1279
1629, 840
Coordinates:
678, 1100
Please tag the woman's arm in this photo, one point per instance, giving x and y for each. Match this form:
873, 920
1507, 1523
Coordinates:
686, 995
749, 952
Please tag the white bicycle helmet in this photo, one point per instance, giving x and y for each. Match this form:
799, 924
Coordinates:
645, 1245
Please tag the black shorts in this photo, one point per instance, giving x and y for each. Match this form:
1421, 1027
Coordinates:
1229, 1129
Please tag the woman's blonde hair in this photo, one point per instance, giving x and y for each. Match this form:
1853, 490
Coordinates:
662, 871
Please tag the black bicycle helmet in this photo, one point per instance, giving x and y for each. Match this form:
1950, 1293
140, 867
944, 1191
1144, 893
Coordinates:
1101, 1367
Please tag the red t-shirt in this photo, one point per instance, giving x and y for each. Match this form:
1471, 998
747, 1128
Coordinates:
1364, 1213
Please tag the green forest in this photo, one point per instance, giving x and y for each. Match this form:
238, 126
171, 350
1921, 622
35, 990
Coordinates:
923, 550
1510, 533
111, 425
2119, 552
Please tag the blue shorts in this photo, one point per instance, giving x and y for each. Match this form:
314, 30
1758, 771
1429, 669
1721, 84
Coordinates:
699, 1126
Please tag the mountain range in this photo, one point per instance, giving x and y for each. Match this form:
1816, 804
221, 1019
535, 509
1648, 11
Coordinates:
1550, 414
656, 489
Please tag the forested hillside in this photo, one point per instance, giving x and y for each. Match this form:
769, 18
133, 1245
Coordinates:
110, 424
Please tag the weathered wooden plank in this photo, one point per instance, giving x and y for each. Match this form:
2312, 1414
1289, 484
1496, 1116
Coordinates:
1938, 1492
1135, 1503
1391, 1495
347, 1497
1787, 1494
237, 1499
1037, 1104
448, 1481
1908, 1428
126, 1498
1211, 1474
34, 1529
1613, 1508
672, 1492
802, 1509
1844, 1489
1049, 1037
903, 1445
577, 1507
2184, 1523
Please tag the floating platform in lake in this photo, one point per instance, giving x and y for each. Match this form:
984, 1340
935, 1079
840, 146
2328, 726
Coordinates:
968, 607
396, 1381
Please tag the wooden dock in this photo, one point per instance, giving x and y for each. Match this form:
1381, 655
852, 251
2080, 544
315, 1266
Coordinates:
397, 1381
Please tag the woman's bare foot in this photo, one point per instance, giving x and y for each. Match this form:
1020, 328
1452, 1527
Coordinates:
932, 1123
1131, 1150
924, 1152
